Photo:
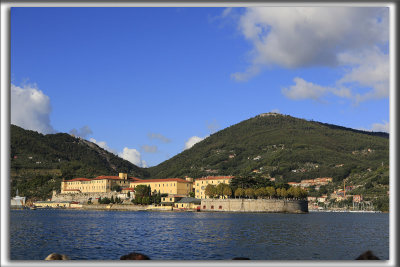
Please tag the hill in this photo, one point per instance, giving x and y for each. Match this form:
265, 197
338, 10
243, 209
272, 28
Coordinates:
280, 146
39, 162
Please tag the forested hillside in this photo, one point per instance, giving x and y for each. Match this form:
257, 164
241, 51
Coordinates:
280, 146
39, 162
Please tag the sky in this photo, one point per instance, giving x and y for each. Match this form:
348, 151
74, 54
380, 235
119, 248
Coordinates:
148, 83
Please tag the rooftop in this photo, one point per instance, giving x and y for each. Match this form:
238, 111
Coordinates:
162, 180
216, 177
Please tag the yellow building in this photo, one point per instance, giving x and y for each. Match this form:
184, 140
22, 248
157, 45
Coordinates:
173, 186
201, 183
100, 184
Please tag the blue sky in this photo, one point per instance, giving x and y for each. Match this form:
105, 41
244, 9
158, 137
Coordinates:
146, 83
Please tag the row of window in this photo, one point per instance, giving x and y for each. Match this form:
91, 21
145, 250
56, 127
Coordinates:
217, 182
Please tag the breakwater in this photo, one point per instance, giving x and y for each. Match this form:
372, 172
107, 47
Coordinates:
255, 205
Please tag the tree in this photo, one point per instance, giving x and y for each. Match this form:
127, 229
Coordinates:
239, 192
260, 192
227, 191
112, 199
191, 194
249, 192
219, 190
270, 191
129, 194
142, 191
116, 188
281, 192
210, 190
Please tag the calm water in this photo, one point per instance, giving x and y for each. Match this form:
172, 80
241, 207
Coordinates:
107, 235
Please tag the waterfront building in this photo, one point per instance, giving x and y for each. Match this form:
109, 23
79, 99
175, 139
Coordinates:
188, 203
170, 186
100, 184
17, 201
201, 183
171, 199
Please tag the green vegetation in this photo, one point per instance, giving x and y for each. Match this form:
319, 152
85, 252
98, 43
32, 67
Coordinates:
286, 148
250, 187
39, 162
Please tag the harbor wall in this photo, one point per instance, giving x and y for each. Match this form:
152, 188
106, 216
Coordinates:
82, 197
255, 205
125, 207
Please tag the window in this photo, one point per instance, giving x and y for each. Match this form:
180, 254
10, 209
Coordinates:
212, 207
220, 207
204, 207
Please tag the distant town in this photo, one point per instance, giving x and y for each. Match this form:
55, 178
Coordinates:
187, 194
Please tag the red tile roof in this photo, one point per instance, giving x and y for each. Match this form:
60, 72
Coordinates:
162, 180
78, 179
115, 178
216, 177
128, 188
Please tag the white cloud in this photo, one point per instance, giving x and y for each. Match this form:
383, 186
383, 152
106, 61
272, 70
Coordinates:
307, 36
381, 127
30, 109
103, 145
150, 149
369, 68
192, 141
133, 156
129, 154
307, 90
158, 136
82, 132
304, 90
349, 38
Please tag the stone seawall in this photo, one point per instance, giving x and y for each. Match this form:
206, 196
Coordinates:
82, 197
255, 205
129, 207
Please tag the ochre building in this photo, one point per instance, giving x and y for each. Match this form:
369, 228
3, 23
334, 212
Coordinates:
201, 183
100, 184
171, 186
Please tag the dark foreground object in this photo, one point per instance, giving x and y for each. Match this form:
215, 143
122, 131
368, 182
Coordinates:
368, 255
134, 256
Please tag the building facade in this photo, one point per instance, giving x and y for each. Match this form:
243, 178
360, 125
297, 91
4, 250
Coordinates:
100, 184
170, 186
201, 183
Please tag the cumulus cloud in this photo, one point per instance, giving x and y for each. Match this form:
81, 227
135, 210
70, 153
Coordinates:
381, 127
307, 90
352, 39
192, 141
307, 36
129, 154
369, 68
103, 145
159, 137
133, 156
30, 109
82, 132
149, 149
